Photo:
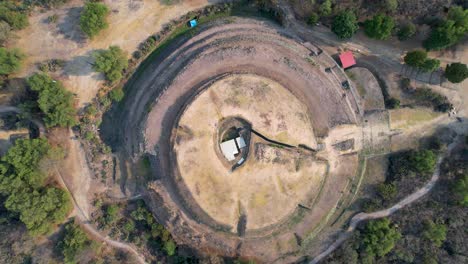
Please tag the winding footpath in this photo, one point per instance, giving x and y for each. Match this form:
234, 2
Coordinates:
387, 212
83, 218
81, 214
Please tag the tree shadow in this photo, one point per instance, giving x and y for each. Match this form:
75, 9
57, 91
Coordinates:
69, 27
81, 66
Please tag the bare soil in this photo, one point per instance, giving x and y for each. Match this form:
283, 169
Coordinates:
130, 23
268, 187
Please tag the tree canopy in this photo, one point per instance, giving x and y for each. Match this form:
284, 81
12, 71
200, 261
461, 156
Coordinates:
39, 207
415, 58
73, 241
93, 18
326, 8
379, 27
450, 31
378, 237
345, 24
436, 233
456, 72
111, 62
54, 101
12, 13
419, 60
10, 60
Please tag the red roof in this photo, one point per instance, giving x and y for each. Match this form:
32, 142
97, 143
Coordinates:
347, 59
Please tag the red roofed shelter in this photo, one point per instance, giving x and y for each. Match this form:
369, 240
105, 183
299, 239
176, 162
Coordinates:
347, 59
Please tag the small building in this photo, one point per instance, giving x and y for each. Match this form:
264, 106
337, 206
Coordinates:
347, 59
232, 147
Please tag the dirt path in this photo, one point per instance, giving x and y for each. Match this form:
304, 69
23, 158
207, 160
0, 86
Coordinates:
78, 192
387, 212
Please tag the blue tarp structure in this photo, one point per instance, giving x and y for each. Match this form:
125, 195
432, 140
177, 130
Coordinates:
193, 23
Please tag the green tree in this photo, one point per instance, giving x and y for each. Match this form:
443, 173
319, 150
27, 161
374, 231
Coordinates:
406, 31
345, 24
19, 167
390, 5
117, 94
423, 161
392, 103
111, 62
39, 207
379, 27
415, 58
313, 19
450, 31
387, 191
12, 13
326, 8
55, 102
456, 72
73, 241
93, 18
170, 247
378, 237
436, 233
430, 65
460, 190
10, 60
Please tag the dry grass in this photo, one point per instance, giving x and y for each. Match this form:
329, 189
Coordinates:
130, 22
267, 190
405, 118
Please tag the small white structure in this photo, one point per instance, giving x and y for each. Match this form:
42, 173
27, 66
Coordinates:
240, 142
232, 147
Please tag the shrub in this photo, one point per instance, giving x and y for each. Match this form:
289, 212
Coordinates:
117, 94
111, 62
313, 19
390, 5
387, 191
406, 31
407, 164
430, 65
73, 241
392, 103
55, 102
379, 27
379, 237
426, 96
435, 233
345, 24
460, 190
10, 60
326, 8
170, 247
13, 14
456, 72
415, 58
93, 18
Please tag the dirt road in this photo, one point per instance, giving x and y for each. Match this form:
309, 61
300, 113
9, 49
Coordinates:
387, 212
